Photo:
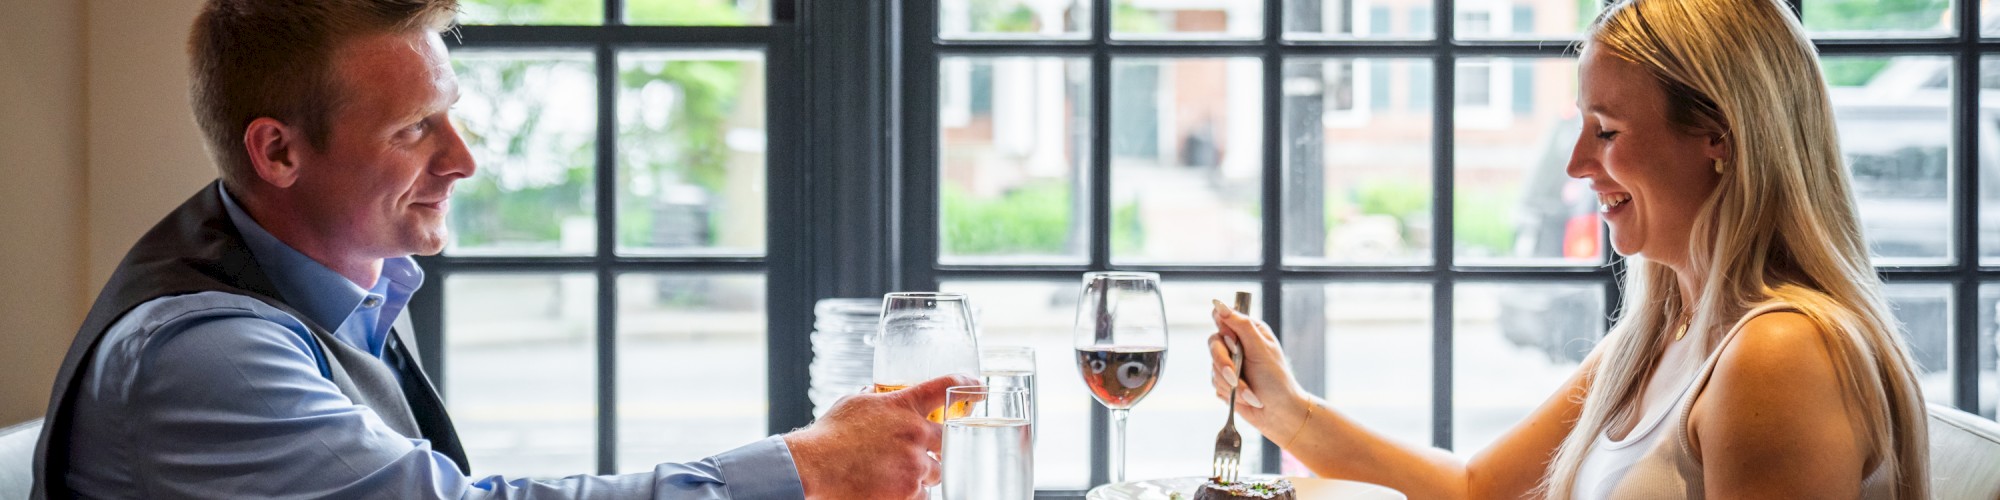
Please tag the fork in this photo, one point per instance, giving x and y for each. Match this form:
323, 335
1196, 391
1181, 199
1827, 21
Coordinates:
1229, 444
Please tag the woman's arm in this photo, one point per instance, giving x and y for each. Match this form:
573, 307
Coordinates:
1335, 446
1775, 421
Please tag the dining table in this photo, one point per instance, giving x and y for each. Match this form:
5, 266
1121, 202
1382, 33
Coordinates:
1184, 488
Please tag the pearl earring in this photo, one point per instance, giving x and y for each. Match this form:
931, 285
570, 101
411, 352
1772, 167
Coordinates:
1718, 165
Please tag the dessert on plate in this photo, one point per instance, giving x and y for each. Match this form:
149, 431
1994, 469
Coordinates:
1256, 489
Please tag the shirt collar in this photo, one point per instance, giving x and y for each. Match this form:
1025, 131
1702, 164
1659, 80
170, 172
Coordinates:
324, 296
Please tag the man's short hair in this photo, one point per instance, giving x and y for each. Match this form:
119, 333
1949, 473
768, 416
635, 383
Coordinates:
274, 58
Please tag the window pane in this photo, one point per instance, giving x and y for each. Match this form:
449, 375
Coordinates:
1132, 19
1358, 161
1878, 18
1923, 313
531, 122
1541, 19
691, 366
698, 12
1894, 117
1989, 349
691, 153
1514, 205
1988, 147
1158, 440
521, 371
1513, 345
1024, 19
569, 12
1187, 162
1039, 315
1014, 149
1367, 348
1321, 19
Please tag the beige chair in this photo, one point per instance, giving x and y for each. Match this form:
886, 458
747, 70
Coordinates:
1965, 455
17, 459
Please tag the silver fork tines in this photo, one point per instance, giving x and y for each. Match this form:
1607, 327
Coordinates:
1229, 444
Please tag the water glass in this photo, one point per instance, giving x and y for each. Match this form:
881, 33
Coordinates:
989, 450
1010, 366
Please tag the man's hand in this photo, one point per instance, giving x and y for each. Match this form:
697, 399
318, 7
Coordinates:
872, 446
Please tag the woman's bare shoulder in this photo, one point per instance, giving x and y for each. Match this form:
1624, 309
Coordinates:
1777, 346
1775, 399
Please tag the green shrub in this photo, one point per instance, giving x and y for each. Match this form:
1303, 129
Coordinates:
1128, 234
1851, 72
1481, 221
1396, 198
1031, 219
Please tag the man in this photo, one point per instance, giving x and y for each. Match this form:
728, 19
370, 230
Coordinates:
246, 346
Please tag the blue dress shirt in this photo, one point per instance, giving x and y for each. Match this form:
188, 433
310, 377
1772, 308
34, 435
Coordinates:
216, 395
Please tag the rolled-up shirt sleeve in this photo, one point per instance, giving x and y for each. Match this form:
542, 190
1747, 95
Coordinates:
763, 469
229, 403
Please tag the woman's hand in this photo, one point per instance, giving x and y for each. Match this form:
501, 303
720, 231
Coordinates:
1271, 398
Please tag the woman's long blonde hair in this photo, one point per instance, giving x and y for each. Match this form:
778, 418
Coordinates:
1780, 225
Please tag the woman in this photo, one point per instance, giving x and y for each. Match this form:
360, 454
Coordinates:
1755, 357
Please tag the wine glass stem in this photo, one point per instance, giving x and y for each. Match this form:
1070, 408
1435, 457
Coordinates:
1118, 445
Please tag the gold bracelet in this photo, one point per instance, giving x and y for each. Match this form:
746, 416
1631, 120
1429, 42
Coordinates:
1302, 422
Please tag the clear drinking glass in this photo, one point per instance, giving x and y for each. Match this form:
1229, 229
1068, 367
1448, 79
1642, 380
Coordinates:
1121, 344
1010, 366
924, 335
988, 448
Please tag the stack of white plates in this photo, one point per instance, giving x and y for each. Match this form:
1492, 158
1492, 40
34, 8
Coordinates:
843, 360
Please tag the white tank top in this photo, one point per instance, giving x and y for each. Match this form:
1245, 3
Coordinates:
1655, 461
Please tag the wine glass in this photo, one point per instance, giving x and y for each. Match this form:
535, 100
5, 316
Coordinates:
924, 335
1121, 344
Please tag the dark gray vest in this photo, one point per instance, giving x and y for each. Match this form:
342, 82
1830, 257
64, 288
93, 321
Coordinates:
197, 249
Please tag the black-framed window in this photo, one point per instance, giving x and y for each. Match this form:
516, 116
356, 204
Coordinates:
604, 302
1396, 198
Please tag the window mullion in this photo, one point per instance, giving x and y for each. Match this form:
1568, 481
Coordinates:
426, 311
1311, 362
1444, 104
607, 241
1100, 203
1964, 317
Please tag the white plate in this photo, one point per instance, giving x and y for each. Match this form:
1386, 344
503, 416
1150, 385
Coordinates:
1306, 488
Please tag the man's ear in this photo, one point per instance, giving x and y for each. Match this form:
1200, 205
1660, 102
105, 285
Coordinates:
275, 150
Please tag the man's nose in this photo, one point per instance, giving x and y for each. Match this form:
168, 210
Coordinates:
455, 160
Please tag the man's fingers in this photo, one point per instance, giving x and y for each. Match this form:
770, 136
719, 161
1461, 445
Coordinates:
929, 395
933, 439
933, 473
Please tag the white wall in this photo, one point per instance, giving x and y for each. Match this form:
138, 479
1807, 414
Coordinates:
96, 144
